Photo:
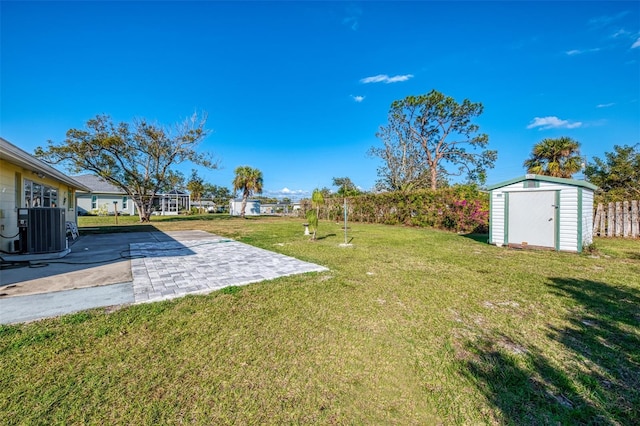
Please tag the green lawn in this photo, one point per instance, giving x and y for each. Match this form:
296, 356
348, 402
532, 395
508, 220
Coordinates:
410, 326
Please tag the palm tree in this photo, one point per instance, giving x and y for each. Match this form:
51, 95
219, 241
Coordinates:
558, 157
248, 180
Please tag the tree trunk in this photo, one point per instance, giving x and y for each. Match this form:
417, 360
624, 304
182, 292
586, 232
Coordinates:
144, 211
244, 205
433, 170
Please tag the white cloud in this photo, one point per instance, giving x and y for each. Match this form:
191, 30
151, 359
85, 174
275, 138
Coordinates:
636, 43
580, 52
620, 33
294, 194
605, 105
545, 123
358, 99
383, 78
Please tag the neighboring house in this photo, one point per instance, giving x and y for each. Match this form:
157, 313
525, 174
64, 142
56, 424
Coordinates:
102, 198
252, 208
542, 211
44, 199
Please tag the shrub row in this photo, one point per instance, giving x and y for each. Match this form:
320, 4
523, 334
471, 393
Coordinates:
461, 208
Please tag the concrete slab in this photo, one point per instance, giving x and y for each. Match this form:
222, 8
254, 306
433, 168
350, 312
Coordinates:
45, 305
135, 267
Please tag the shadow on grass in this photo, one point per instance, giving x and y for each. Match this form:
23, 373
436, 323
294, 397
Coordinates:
325, 236
594, 380
480, 238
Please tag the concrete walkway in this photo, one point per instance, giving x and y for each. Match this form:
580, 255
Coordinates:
163, 266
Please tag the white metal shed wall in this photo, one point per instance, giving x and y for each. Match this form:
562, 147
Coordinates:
496, 223
587, 217
568, 226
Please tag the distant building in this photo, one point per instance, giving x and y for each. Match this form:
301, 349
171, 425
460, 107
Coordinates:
102, 197
171, 203
252, 208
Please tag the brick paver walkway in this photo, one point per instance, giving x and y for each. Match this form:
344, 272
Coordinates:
170, 269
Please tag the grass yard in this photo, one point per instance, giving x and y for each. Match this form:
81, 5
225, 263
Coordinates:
410, 326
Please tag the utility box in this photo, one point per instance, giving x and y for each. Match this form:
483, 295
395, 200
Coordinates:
541, 212
42, 230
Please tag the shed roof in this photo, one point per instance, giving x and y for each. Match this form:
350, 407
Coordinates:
19, 157
541, 178
98, 184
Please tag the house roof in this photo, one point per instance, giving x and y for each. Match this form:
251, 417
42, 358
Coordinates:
98, 184
14, 155
541, 178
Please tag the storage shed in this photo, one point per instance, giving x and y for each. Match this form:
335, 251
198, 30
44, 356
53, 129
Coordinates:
542, 212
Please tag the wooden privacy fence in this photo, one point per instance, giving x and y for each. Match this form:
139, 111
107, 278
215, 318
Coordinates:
619, 219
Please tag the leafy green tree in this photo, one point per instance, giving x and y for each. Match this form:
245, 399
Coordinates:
618, 175
286, 200
267, 200
249, 181
134, 157
346, 188
559, 157
313, 215
220, 195
426, 133
196, 188
326, 192
174, 180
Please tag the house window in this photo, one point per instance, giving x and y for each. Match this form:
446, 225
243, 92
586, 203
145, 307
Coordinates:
124, 203
49, 197
94, 202
38, 195
71, 202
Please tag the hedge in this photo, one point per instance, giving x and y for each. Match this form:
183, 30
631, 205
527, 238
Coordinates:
461, 208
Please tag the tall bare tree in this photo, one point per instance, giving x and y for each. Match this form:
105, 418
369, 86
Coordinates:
427, 135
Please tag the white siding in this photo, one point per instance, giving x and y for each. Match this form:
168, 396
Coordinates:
104, 201
568, 219
497, 217
587, 217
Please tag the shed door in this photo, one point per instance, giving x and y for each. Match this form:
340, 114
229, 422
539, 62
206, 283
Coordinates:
532, 218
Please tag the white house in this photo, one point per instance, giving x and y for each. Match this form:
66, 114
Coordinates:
542, 211
103, 198
36, 202
252, 208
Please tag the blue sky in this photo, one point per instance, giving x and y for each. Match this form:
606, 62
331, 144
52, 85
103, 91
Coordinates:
299, 89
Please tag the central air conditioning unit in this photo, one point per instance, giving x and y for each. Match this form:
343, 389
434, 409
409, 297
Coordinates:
42, 230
